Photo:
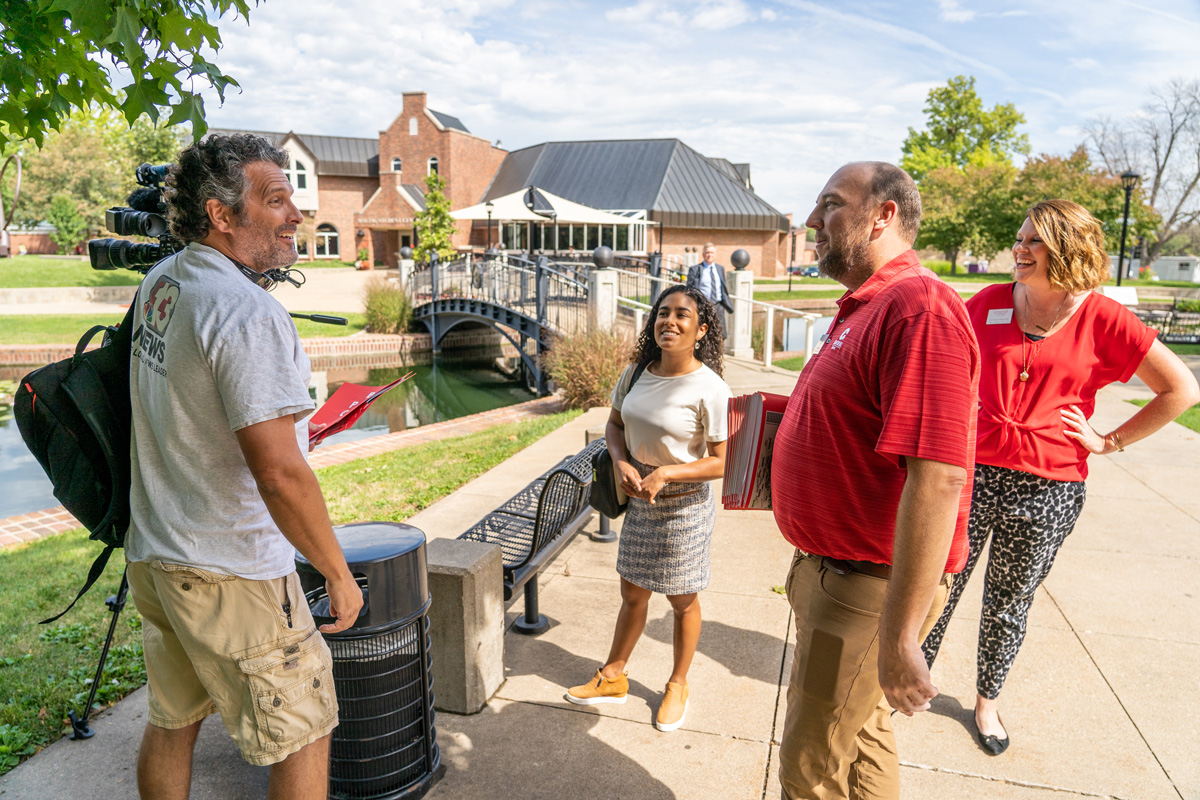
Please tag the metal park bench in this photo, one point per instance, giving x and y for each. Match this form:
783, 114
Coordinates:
534, 526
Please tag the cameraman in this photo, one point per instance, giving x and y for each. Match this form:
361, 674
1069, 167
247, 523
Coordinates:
221, 488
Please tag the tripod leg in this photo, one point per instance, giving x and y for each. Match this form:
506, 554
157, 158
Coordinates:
79, 724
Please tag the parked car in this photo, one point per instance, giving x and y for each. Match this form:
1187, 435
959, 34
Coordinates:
811, 271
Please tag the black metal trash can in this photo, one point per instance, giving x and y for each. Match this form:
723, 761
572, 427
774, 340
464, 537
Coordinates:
385, 744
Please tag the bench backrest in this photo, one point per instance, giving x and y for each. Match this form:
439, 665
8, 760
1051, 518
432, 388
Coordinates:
564, 496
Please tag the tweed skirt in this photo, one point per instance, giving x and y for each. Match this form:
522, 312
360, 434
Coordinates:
665, 547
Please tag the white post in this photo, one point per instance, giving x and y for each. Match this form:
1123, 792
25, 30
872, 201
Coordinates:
737, 338
810, 329
769, 337
407, 266
602, 300
639, 319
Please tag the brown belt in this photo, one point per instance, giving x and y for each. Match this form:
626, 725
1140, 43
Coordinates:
844, 566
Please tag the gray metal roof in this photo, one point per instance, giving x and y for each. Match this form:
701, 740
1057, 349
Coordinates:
449, 121
416, 192
336, 155
677, 186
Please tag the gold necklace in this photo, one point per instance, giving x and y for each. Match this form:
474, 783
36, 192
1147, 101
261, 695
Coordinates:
1024, 376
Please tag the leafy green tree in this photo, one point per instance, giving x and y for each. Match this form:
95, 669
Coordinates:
53, 56
967, 209
1074, 177
71, 227
959, 131
434, 225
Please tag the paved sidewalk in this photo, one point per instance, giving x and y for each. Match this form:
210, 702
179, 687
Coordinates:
1099, 704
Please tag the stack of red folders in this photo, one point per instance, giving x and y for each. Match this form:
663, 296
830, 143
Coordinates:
753, 421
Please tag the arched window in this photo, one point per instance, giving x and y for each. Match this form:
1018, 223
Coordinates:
327, 241
300, 177
433, 165
412, 126
395, 165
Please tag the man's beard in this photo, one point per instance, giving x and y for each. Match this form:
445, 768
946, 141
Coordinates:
842, 257
265, 254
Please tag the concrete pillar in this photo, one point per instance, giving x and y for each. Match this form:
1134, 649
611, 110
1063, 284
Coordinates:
407, 267
466, 623
602, 299
740, 283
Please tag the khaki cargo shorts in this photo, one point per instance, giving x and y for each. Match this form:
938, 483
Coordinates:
247, 649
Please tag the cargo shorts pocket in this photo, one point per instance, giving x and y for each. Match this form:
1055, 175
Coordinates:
185, 574
291, 688
854, 592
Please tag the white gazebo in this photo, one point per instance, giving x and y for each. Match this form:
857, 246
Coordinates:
559, 222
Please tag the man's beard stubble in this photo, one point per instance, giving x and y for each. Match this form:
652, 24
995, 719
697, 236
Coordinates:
839, 260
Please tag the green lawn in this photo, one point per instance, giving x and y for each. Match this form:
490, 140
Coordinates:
41, 272
1184, 349
67, 328
1188, 419
795, 363
45, 670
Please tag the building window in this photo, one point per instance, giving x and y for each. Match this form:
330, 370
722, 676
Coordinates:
395, 165
433, 165
412, 126
327, 241
299, 176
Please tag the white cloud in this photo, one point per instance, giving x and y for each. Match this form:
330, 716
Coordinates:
794, 87
952, 11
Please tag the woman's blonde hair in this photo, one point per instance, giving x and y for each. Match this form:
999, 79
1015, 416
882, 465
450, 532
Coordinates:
1078, 259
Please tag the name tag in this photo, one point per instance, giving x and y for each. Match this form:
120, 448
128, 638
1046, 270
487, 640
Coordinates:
999, 316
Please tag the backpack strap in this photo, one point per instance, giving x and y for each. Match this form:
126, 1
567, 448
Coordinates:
94, 574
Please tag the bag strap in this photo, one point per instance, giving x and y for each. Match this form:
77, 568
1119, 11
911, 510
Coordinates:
93, 575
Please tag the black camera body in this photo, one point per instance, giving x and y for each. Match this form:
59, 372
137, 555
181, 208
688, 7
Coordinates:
146, 216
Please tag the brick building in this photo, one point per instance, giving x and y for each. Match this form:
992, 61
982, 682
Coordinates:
358, 193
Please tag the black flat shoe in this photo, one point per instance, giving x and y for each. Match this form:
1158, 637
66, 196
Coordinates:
993, 744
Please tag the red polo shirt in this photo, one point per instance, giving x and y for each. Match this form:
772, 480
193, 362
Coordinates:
897, 376
1020, 422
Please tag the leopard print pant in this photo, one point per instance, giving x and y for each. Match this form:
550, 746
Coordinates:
1028, 518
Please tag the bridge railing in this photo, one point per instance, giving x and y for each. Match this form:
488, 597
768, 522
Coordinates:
554, 296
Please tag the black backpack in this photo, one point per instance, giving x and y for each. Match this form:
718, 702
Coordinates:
74, 416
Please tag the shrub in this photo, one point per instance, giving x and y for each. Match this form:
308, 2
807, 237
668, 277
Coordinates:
388, 308
586, 367
1187, 304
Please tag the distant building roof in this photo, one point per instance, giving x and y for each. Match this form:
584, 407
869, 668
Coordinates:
676, 185
449, 121
336, 155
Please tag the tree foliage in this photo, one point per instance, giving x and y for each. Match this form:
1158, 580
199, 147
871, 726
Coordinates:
434, 225
54, 56
70, 226
90, 160
1162, 144
960, 132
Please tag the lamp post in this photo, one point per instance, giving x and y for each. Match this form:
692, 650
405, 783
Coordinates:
488, 206
1129, 179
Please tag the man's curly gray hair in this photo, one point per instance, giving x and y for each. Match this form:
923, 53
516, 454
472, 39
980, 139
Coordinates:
214, 169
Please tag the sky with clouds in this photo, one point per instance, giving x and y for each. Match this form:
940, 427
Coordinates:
794, 87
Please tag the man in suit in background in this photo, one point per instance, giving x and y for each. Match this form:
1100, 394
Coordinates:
709, 278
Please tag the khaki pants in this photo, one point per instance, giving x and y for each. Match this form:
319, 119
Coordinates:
837, 734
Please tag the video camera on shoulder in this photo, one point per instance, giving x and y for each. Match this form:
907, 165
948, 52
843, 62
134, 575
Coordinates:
145, 216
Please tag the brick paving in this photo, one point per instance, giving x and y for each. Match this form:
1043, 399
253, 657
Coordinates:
40, 524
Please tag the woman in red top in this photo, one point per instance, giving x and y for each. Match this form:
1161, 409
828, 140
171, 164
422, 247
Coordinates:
1048, 343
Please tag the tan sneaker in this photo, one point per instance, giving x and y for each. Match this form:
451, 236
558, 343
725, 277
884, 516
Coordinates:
674, 706
600, 690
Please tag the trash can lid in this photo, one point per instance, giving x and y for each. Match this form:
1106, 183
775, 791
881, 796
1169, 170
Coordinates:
372, 542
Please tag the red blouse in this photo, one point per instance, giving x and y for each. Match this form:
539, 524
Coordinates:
1020, 425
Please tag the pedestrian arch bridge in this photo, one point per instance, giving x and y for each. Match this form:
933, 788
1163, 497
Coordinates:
531, 300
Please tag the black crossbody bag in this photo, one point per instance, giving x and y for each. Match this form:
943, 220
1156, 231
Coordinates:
606, 494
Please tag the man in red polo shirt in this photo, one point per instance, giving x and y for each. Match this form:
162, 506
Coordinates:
871, 482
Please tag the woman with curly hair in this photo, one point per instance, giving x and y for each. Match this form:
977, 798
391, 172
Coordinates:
666, 434
1048, 344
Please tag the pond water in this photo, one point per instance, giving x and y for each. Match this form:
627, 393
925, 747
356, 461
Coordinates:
436, 393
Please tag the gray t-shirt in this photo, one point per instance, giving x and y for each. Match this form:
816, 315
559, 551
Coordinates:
213, 354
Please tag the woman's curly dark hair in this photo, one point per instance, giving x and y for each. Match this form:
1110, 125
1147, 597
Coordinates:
214, 169
711, 349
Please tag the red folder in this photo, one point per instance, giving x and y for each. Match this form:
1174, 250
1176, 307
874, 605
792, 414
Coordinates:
346, 405
753, 422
